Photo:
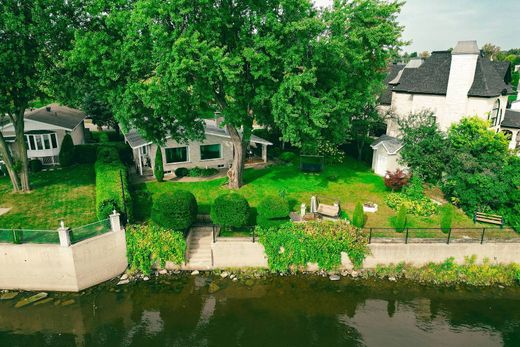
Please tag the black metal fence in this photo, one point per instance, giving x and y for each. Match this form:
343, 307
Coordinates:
438, 235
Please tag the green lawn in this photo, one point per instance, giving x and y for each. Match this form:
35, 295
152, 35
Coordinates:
348, 183
68, 194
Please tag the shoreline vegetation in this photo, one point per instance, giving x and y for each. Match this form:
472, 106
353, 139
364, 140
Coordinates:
446, 274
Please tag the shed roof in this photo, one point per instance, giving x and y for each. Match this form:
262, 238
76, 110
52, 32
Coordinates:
391, 144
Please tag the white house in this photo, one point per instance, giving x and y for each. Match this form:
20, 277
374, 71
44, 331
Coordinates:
45, 129
216, 151
452, 84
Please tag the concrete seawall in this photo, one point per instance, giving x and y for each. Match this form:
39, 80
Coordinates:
420, 254
244, 253
56, 268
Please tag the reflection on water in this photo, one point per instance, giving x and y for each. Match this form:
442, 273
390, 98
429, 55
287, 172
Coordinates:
275, 311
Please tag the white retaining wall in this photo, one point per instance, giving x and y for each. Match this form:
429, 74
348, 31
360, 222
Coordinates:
55, 268
421, 254
243, 253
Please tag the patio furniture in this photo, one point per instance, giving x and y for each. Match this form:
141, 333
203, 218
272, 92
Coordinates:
489, 218
328, 211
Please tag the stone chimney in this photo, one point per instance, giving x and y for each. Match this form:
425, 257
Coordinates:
462, 72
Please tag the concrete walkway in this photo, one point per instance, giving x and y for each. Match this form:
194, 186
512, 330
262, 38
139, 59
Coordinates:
199, 248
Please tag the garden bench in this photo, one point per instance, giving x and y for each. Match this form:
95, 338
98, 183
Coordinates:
488, 218
328, 211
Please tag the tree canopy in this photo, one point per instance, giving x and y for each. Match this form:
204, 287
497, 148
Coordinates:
33, 34
166, 65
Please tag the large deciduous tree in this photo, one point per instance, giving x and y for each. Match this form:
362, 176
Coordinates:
166, 65
32, 36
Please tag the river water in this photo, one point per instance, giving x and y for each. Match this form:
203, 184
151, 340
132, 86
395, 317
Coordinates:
272, 311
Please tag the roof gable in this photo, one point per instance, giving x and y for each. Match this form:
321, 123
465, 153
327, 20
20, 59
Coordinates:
57, 115
429, 78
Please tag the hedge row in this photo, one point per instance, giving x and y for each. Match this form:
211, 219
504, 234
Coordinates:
88, 154
111, 186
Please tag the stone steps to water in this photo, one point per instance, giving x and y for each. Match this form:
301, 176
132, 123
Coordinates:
199, 248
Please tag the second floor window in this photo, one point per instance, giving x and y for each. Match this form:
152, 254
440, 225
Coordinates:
495, 114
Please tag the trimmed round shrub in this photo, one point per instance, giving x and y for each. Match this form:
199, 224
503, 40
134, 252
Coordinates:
287, 157
176, 210
273, 207
67, 151
181, 172
35, 165
108, 154
230, 210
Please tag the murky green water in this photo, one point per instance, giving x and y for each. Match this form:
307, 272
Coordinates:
275, 311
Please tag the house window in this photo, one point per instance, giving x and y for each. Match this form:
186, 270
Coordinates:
210, 152
176, 155
38, 142
494, 116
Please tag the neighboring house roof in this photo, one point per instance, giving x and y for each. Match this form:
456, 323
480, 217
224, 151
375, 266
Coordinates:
429, 78
135, 140
391, 144
393, 71
491, 78
53, 114
511, 119
57, 115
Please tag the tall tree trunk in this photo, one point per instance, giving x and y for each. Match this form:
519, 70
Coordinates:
22, 150
236, 171
9, 164
360, 147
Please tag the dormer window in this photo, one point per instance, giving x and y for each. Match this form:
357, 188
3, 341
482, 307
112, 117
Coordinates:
495, 114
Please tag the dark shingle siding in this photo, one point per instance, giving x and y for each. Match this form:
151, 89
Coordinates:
511, 119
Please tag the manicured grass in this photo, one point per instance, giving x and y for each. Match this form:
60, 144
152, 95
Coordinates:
67, 194
348, 183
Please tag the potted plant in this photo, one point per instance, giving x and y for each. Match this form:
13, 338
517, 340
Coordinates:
370, 207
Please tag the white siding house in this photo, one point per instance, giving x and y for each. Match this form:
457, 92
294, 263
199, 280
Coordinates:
452, 84
216, 151
45, 129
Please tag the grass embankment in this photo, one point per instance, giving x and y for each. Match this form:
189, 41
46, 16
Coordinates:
348, 183
67, 194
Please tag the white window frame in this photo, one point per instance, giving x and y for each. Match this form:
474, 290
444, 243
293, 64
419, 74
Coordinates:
41, 141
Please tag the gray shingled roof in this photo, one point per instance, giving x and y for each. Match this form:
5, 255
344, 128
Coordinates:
135, 140
391, 144
57, 115
511, 119
491, 78
429, 78
386, 96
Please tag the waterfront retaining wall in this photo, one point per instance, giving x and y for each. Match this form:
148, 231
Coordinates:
420, 254
56, 268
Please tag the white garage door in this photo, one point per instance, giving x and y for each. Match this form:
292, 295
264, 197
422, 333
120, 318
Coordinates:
381, 160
